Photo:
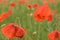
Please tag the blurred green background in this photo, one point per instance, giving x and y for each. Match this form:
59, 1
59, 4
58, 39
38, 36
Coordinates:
24, 16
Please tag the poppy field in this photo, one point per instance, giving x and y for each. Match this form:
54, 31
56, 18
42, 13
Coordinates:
29, 19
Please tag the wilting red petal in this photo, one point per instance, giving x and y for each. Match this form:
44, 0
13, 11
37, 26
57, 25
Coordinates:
53, 35
9, 30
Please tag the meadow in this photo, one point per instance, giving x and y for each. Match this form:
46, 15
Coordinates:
23, 16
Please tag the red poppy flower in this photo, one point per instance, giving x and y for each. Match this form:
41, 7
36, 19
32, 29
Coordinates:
45, 2
43, 13
35, 5
53, 35
29, 6
9, 30
5, 1
50, 1
22, 1
12, 31
55, 3
5, 15
0, 0
10, 11
12, 4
